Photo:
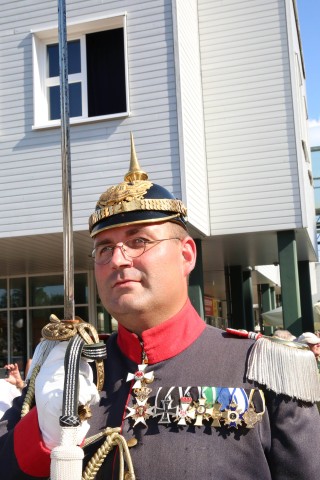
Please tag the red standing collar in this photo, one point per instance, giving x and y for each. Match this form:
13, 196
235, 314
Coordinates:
165, 340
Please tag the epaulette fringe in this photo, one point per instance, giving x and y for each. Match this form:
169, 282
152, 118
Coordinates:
285, 367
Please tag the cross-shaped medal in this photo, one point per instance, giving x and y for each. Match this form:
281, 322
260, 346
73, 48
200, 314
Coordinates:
251, 417
216, 415
140, 376
185, 413
166, 411
202, 412
140, 412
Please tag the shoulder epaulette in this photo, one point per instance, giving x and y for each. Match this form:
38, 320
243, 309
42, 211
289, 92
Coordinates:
285, 367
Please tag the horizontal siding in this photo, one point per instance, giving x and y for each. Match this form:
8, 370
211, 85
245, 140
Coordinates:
190, 108
249, 116
30, 164
300, 101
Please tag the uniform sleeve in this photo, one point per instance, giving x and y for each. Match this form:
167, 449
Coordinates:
295, 438
23, 455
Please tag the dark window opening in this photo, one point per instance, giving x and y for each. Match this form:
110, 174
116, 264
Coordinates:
106, 73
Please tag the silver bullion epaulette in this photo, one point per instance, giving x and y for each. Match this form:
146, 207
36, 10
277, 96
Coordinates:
285, 367
215, 406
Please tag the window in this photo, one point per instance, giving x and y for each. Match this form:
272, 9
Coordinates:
97, 72
25, 307
74, 80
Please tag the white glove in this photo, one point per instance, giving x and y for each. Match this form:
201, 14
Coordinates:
49, 395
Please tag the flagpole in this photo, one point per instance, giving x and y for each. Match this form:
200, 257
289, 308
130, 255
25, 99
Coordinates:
66, 458
68, 257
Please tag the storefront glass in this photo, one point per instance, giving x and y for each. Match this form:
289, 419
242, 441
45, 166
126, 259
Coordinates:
26, 304
3, 339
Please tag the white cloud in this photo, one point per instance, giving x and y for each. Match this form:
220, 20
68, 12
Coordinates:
314, 132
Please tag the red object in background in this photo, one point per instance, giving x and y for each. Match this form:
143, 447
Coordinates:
244, 333
104, 336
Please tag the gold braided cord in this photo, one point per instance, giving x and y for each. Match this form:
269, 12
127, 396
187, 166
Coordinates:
113, 439
162, 205
59, 331
100, 374
62, 330
85, 330
29, 398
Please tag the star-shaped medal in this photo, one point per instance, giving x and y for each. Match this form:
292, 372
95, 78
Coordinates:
140, 412
232, 416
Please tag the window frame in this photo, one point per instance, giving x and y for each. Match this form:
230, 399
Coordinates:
29, 308
77, 30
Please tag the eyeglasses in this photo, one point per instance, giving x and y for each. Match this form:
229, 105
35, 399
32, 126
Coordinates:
132, 248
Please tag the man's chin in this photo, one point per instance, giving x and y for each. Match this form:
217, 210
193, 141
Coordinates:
125, 305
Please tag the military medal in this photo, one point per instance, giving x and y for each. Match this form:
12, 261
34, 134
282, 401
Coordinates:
224, 406
185, 413
232, 415
140, 376
140, 412
251, 417
202, 412
216, 415
142, 393
166, 411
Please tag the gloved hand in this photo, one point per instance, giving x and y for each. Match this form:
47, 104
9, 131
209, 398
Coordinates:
49, 394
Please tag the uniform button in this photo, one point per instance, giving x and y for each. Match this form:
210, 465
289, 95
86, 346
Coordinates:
131, 442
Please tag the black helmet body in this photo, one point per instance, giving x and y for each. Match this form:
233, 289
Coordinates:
135, 200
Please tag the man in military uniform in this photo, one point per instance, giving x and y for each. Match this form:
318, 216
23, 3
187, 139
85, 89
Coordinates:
178, 388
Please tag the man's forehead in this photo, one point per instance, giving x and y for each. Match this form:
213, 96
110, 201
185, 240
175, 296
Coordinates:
129, 230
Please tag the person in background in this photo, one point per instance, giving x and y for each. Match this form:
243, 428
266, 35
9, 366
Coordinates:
176, 387
313, 342
14, 376
11, 387
284, 335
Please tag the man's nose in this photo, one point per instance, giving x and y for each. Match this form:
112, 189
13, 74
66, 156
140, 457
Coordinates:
119, 258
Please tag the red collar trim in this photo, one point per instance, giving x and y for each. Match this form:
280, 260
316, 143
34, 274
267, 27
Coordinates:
165, 340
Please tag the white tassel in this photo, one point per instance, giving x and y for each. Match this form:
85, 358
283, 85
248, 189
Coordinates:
66, 459
285, 368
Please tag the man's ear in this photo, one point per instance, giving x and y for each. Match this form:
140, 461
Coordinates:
189, 253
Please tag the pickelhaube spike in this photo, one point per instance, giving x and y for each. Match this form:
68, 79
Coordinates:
135, 200
135, 172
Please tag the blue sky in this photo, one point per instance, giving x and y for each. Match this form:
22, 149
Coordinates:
309, 19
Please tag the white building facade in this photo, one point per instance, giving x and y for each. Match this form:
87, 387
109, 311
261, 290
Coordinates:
214, 94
